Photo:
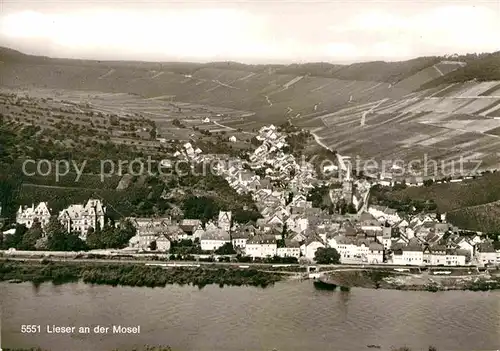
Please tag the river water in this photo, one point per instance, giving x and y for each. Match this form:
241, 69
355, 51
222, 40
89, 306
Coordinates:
289, 316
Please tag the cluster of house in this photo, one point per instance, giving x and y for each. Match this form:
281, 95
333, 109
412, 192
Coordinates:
268, 157
247, 239
375, 235
430, 240
279, 165
77, 218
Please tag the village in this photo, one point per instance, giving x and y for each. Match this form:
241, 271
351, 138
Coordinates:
290, 227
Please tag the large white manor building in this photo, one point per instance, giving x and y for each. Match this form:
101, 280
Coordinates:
76, 218
29, 215
80, 218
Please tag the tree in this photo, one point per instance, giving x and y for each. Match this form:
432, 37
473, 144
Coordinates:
60, 241
153, 246
54, 226
327, 256
351, 209
152, 133
226, 249
110, 237
203, 208
428, 182
31, 236
245, 216
284, 232
14, 240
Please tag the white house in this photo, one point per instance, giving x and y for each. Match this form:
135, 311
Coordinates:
162, 244
375, 253
384, 214
411, 255
213, 239
346, 247
486, 254
291, 249
464, 244
309, 248
80, 218
224, 221
441, 256
143, 239
239, 239
300, 200
261, 246
232, 139
297, 223
28, 215
455, 258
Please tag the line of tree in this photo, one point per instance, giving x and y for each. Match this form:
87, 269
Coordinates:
54, 237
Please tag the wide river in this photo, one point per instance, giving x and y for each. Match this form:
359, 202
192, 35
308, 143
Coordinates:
290, 316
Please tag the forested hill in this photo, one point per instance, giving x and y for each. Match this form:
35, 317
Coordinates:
482, 67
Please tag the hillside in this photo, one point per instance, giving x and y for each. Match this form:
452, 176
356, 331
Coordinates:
379, 71
269, 95
484, 67
485, 217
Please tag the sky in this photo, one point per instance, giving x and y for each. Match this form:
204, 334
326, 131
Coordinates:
251, 31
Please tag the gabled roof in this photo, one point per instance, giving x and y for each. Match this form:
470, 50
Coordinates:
291, 244
261, 239
366, 216
413, 248
162, 238
486, 247
297, 236
376, 247
216, 234
240, 235
312, 239
397, 246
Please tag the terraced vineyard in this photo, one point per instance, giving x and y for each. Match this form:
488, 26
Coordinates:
269, 95
446, 123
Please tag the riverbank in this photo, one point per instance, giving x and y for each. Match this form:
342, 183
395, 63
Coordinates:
133, 274
410, 282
